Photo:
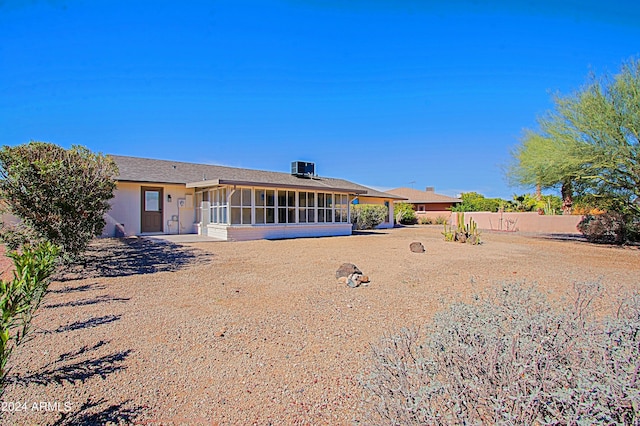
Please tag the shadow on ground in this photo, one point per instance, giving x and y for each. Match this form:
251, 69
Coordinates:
121, 257
562, 237
78, 370
89, 323
92, 413
357, 232
85, 302
78, 289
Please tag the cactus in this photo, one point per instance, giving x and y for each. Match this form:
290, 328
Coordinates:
464, 233
448, 233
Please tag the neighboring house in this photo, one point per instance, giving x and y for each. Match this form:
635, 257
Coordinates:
427, 203
170, 197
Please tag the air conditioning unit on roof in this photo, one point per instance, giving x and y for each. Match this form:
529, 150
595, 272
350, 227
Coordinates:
303, 169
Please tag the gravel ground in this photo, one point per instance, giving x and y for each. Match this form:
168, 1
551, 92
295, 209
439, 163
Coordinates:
258, 332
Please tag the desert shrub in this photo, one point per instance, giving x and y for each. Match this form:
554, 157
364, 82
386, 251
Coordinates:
368, 216
425, 220
60, 195
21, 296
441, 220
405, 214
511, 357
610, 228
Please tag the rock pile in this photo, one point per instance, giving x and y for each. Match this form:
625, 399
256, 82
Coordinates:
349, 274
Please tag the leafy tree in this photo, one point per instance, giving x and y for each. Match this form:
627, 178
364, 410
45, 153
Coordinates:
474, 202
545, 162
60, 195
589, 144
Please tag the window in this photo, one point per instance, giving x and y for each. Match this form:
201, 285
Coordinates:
152, 201
306, 207
241, 206
265, 202
332, 207
321, 207
219, 206
328, 210
341, 208
286, 206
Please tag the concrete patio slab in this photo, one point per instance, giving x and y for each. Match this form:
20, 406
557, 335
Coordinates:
184, 238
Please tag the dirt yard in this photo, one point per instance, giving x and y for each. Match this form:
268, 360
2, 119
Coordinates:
258, 332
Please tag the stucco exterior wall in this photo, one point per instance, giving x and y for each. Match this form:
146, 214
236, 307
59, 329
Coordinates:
433, 214
432, 207
523, 222
126, 205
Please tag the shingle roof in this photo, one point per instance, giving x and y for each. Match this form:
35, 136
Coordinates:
422, 197
135, 169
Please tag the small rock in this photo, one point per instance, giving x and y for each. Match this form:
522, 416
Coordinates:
343, 280
416, 247
353, 280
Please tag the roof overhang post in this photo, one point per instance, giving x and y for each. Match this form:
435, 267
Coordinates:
205, 216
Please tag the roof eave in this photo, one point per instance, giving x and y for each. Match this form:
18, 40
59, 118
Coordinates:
218, 182
159, 182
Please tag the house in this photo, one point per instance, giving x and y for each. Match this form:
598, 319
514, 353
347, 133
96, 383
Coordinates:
427, 203
170, 197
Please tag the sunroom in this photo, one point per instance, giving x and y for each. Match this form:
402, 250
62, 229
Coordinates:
244, 211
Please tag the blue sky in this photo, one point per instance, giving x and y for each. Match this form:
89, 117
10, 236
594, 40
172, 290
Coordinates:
380, 92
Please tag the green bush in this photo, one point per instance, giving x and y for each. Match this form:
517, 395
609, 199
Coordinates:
405, 214
60, 195
511, 357
21, 296
368, 216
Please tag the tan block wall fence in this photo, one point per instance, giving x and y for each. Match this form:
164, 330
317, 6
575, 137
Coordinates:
523, 222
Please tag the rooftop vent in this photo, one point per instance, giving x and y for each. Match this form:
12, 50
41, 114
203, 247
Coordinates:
303, 169
430, 189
